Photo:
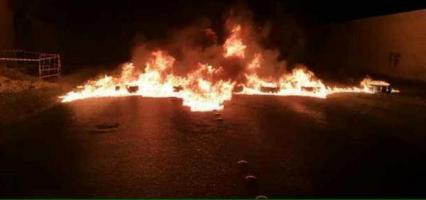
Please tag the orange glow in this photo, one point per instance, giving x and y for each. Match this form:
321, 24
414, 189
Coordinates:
204, 88
302, 82
200, 91
234, 45
203, 93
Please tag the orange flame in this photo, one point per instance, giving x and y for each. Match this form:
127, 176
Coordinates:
204, 89
234, 45
203, 93
200, 92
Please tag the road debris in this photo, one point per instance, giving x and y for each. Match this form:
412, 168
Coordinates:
107, 125
250, 179
132, 88
261, 197
242, 163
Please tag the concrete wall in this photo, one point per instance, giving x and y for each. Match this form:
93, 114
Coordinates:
392, 45
6, 26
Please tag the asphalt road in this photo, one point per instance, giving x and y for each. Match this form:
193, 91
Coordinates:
347, 145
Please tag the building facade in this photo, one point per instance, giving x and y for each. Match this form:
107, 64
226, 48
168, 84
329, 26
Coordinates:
392, 45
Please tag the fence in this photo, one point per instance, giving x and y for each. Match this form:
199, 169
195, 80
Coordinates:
44, 64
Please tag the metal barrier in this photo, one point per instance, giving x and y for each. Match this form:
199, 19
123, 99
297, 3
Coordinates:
45, 64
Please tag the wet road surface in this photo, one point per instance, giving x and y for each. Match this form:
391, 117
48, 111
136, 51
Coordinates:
346, 145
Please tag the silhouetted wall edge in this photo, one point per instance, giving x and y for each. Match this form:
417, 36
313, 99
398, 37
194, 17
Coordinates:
6, 26
392, 45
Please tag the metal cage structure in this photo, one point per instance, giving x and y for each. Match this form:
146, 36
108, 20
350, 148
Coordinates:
46, 65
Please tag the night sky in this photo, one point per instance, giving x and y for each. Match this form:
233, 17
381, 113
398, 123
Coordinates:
113, 25
181, 11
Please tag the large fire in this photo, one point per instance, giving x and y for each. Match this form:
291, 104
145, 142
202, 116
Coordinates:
234, 45
205, 88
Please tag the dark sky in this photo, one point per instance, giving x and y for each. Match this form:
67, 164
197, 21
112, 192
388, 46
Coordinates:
111, 24
155, 17
86, 12
129, 9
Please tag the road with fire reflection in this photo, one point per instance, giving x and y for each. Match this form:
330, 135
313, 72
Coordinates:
347, 144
